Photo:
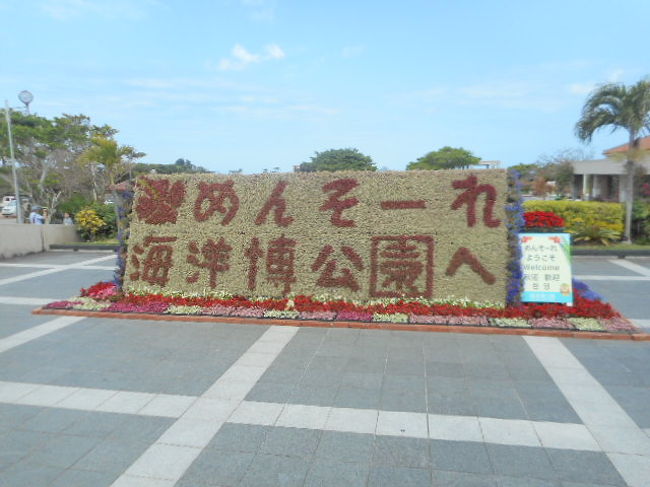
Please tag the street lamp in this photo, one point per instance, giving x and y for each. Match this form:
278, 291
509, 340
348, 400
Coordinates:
26, 97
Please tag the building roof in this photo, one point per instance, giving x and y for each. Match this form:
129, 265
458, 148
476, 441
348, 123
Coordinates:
644, 144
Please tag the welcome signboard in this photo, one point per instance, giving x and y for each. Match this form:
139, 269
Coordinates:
546, 264
356, 235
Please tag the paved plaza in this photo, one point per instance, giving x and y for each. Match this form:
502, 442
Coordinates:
90, 402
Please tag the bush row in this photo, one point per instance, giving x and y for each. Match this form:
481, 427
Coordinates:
583, 216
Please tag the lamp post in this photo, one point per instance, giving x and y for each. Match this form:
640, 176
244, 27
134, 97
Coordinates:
19, 207
26, 97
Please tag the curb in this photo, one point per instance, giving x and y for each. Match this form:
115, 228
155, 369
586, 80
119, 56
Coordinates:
76, 247
351, 324
620, 253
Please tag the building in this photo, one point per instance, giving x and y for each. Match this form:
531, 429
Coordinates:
604, 179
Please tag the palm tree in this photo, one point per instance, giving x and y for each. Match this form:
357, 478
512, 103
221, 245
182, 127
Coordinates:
617, 106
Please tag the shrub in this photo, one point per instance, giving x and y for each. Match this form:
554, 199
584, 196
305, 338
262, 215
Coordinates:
584, 216
641, 221
89, 223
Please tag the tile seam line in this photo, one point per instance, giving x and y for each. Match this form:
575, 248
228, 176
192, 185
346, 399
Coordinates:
38, 331
541, 348
632, 266
45, 272
57, 405
284, 337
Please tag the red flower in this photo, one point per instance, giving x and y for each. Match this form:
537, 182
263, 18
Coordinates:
543, 219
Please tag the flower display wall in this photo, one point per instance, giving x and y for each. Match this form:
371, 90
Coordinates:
355, 235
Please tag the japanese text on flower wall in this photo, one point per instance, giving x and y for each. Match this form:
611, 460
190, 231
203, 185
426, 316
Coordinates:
355, 235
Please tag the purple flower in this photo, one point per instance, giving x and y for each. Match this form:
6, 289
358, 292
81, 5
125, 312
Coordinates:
618, 324
429, 319
61, 304
218, 310
137, 308
557, 323
244, 312
354, 316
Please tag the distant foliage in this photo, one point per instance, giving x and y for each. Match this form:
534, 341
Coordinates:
445, 158
338, 160
591, 220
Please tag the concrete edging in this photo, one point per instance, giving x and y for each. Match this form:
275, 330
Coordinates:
350, 324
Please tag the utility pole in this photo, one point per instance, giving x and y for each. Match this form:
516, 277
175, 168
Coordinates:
19, 206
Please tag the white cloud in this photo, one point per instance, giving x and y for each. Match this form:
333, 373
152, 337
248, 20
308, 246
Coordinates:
581, 88
274, 51
352, 51
241, 58
116, 9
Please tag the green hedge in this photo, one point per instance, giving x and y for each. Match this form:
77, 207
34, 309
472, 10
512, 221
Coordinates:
581, 214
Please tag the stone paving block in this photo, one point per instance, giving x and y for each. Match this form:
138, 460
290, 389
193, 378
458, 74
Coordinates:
324, 473
352, 420
521, 461
402, 476
460, 456
271, 392
414, 366
140, 428
297, 442
362, 380
26, 473
392, 423
239, 437
353, 397
59, 285
274, 471
112, 455
406, 401
450, 402
345, 447
52, 420
84, 478
163, 462
443, 478
508, 432
214, 467
545, 402
251, 412
522, 482
15, 445
579, 466
460, 428
63, 450
314, 395
16, 318
401, 452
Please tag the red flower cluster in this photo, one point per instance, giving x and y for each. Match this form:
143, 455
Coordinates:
543, 219
101, 290
582, 307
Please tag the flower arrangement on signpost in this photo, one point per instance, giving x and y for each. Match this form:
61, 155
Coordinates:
396, 248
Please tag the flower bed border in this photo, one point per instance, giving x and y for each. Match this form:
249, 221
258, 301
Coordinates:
486, 330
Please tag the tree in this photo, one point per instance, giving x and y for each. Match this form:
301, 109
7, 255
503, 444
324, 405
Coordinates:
338, 160
445, 158
181, 166
47, 151
616, 106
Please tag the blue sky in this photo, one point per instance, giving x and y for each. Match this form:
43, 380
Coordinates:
256, 84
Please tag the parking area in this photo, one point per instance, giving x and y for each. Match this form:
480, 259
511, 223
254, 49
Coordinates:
99, 402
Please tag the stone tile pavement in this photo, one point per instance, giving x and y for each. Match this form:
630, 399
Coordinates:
95, 402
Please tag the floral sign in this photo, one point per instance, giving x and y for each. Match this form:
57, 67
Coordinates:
546, 262
355, 235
